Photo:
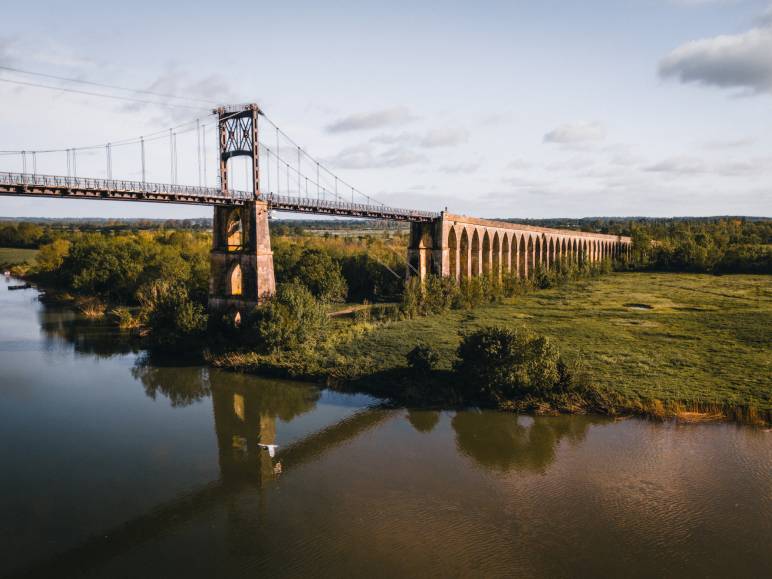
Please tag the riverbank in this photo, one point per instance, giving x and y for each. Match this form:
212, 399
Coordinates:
689, 345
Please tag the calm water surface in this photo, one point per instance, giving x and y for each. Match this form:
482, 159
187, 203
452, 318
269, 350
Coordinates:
112, 466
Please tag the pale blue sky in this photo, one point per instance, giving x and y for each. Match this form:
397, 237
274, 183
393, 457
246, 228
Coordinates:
508, 109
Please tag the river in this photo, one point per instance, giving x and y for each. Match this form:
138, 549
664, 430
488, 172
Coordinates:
113, 465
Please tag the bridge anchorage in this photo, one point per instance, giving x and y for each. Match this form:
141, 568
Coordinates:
242, 273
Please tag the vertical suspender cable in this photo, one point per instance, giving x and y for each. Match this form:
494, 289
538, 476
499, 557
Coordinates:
318, 184
288, 189
142, 150
171, 156
278, 166
24, 161
268, 170
203, 146
198, 149
109, 161
174, 142
74, 163
34, 164
298, 170
68, 163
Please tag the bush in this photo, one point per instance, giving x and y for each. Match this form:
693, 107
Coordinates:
291, 320
322, 275
499, 364
175, 321
422, 359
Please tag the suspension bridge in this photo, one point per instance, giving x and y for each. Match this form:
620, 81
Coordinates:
283, 177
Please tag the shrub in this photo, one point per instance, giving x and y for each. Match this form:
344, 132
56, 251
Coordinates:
422, 359
51, 256
322, 275
291, 320
498, 364
175, 321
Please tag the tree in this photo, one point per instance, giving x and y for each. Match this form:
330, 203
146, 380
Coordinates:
422, 359
175, 321
51, 256
321, 275
293, 319
498, 364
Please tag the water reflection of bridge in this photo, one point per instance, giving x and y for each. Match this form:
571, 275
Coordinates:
246, 414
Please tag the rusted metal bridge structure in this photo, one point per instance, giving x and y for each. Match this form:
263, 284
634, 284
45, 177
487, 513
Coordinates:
242, 272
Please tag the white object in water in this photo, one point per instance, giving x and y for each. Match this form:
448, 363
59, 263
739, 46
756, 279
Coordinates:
7, 273
271, 448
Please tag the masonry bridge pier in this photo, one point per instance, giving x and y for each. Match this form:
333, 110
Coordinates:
242, 274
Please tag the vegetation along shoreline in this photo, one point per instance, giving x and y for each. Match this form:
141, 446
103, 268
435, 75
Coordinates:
659, 334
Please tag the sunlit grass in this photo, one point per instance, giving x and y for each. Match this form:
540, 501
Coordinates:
685, 341
13, 255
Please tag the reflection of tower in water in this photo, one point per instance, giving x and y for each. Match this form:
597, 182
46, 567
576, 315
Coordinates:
245, 416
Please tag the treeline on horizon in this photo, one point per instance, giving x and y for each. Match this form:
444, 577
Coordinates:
707, 245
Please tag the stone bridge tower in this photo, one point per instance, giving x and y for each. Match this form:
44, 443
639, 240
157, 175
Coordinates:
241, 258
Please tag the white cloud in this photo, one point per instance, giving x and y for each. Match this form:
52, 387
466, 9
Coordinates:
434, 138
690, 166
577, 133
518, 165
729, 143
461, 168
373, 120
678, 165
366, 156
446, 137
740, 61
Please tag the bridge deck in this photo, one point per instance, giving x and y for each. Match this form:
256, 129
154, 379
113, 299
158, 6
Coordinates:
25, 184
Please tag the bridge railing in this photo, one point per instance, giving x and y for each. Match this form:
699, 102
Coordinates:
286, 202
121, 185
364, 208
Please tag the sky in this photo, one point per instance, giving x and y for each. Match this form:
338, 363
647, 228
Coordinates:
494, 109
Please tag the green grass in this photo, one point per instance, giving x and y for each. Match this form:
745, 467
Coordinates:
12, 255
685, 338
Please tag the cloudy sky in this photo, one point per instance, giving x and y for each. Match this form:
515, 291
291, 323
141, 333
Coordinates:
508, 109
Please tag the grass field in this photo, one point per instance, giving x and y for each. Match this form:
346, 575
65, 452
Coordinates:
12, 255
669, 337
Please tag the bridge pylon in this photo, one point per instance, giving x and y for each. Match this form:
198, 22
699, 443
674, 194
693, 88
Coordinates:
241, 259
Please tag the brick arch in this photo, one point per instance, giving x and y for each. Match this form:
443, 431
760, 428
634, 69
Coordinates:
486, 252
496, 255
563, 249
235, 280
475, 252
551, 252
506, 263
452, 245
523, 260
464, 256
515, 254
537, 257
234, 230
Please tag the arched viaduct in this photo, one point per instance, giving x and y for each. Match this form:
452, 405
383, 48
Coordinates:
458, 246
